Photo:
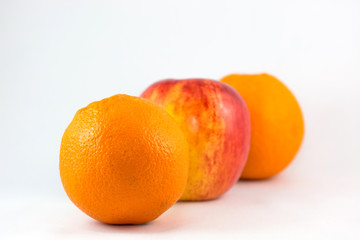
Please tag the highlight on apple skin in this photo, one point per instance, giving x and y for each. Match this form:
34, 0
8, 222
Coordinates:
215, 120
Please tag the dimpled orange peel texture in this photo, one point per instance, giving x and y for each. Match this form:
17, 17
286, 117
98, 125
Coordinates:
276, 120
123, 160
215, 121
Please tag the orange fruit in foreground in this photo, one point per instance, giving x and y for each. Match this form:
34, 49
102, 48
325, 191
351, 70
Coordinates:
277, 125
123, 160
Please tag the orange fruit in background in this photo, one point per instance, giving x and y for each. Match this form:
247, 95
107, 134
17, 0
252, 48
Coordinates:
277, 125
123, 160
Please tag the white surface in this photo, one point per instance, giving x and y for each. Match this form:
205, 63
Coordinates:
58, 56
281, 208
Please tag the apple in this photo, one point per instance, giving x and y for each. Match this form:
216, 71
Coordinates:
216, 123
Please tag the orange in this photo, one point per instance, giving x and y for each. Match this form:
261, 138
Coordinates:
123, 160
277, 125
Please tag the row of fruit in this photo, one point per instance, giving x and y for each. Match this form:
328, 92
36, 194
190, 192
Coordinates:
126, 160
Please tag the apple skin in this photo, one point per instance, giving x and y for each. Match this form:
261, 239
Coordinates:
215, 120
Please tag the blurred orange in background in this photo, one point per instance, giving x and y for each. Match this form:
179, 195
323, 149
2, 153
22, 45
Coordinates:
277, 125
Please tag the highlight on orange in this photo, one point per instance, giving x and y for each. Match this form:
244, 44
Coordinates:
277, 125
123, 160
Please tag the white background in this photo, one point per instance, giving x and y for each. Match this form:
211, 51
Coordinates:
58, 56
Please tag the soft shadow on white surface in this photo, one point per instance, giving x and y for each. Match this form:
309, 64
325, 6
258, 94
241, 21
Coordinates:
201, 215
253, 209
278, 206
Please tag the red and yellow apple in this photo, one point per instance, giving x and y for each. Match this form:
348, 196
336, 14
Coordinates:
215, 120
